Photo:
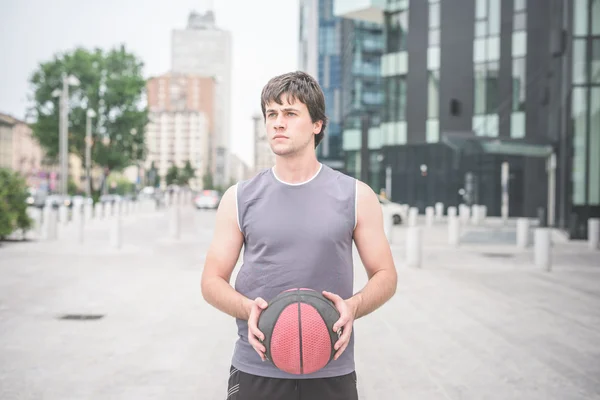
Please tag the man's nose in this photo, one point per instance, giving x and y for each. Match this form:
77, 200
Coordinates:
278, 122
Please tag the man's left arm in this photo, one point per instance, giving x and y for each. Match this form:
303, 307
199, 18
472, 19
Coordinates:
376, 256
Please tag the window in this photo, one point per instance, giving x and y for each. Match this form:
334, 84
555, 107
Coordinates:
579, 61
434, 15
579, 123
433, 91
492, 88
494, 17
480, 89
595, 61
594, 148
580, 18
520, 5
395, 95
481, 9
520, 22
595, 17
396, 31
519, 84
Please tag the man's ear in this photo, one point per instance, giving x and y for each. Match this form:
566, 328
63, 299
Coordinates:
317, 127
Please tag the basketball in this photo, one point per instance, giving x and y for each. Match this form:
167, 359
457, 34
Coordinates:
298, 329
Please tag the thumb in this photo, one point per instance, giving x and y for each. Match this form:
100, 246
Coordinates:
261, 303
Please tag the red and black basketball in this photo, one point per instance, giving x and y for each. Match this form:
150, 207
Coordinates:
298, 329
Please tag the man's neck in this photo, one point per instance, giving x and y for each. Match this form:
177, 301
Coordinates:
296, 169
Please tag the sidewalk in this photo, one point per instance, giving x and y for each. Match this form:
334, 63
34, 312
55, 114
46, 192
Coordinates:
476, 322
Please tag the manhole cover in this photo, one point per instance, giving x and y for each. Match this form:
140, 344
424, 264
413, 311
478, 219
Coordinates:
81, 317
498, 255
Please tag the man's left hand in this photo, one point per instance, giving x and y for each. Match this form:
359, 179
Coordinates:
347, 315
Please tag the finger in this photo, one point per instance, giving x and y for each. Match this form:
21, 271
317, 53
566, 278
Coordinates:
261, 303
340, 351
258, 346
340, 322
332, 296
256, 332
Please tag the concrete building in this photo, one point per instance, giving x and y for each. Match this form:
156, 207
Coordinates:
239, 169
181, 110
475, 85
263, 155
203, 49
20, 151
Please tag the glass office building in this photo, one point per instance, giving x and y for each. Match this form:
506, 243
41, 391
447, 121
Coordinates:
471, 85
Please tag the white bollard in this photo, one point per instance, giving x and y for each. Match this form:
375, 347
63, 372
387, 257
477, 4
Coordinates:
439, 211
388, 225
413, 213
542, 248
89, 212
593, 233
50, 224
116, 236
522, 233
453, 230
108, 210
413, 247
483, 213
475, 214
79, 222
464, 212
451, 212
63, 212
174, 222
429, 213
36, 218
98, 210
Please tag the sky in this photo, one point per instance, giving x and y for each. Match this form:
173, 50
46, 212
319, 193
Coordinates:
264, 35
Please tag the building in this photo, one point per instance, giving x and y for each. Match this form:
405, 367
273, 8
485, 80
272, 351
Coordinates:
239, 169
203, 49
490, 102
20, 151
264, 157
181, 110
320, 56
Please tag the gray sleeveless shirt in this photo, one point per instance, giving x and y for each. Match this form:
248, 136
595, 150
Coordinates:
295, 236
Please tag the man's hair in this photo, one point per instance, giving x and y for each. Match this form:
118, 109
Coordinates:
297, 86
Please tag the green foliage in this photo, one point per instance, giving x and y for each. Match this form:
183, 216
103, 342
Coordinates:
152, 177
172, 177
13, 206
119, 184
186, 174
207, 180
111, 83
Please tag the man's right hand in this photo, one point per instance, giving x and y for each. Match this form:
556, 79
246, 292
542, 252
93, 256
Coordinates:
255, 336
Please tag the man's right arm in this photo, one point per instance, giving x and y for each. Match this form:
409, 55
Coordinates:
221, 259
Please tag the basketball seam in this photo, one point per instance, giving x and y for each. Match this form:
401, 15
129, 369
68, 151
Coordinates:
308, 293
300, 334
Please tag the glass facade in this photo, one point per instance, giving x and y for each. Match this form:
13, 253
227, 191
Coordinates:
519, 69
486, 57
330, 78
394, 71
585, 105
433, 73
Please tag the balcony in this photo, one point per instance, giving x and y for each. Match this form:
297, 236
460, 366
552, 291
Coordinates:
362, 10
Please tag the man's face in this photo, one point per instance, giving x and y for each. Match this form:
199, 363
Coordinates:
289, 127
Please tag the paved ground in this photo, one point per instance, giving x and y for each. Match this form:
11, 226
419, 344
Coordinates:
477, 322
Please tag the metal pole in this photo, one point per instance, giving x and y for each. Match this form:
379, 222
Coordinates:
551, 188
88, 154
504, 180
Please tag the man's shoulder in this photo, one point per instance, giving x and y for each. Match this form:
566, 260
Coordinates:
251, 185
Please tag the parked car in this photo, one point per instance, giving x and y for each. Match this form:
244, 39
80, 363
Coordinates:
395, 209
57, 200
207, 199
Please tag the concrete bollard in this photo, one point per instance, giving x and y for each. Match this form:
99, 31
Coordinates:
593, 233
79, 222
108, 210
50, 224
413, 247
542, 254
388, 225
522, 233
453, 230
98, 210
474, 214
483, 213
451, 212
36, 217
174, 221
89, 212
429, 214
116, 234
439, 211
63, 215
464, 212
413, 213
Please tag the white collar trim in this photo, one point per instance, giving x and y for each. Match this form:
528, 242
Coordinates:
297, 184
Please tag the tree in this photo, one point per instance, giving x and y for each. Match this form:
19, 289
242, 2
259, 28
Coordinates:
207, 180
172, 177
186, 174
152, 177
13, 206
111, 83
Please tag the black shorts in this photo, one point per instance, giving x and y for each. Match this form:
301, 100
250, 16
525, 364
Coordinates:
243, 386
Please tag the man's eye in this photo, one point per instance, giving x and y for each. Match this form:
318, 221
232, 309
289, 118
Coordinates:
291, 114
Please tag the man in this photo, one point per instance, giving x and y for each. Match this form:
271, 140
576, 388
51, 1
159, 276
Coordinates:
297, 222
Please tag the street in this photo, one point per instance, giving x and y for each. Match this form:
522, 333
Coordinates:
475, 322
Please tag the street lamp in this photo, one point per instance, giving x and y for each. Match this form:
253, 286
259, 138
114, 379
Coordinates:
63, 129
88, 149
